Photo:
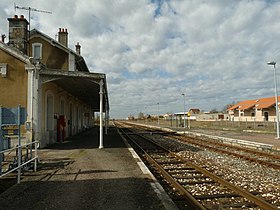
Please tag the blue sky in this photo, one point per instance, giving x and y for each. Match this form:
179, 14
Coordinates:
215, 52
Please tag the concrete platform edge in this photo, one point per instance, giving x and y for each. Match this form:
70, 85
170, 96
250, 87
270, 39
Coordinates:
160, 192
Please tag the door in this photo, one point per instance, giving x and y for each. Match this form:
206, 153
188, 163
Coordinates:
265, 116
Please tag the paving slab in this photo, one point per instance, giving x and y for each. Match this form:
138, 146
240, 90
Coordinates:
77, 175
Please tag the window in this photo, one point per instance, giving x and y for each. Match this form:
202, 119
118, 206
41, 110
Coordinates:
3, 69
37, 50
253, 114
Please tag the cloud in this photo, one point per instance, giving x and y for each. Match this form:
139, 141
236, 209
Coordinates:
153, 51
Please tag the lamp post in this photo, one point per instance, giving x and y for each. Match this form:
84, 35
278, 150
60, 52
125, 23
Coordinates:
146, 115
158, 113
273, 63
184, 110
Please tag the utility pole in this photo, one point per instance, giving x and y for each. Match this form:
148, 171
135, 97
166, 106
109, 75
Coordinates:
184, 110
158, 113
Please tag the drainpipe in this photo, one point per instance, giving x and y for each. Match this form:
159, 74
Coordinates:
101, 115
106, 121
32, 99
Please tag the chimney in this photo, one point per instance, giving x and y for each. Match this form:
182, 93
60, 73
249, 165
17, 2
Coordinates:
18, 33
63, 36
78, 48
3, 36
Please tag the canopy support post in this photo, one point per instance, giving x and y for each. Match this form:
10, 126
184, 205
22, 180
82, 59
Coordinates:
101, 115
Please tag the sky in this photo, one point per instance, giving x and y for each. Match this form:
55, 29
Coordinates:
215, 52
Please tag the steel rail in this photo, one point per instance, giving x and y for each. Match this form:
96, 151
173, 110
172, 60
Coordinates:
258, 201
169, 178
251, 151
246, 157
202, 144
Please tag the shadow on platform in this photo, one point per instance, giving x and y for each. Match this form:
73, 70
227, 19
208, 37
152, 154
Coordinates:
90, 139
81, 194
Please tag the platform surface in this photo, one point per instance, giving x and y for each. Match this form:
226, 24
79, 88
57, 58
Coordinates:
77, 175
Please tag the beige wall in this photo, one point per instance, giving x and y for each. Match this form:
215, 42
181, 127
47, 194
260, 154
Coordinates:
259, 115
78, 120
52, 57
13, 87
14, 91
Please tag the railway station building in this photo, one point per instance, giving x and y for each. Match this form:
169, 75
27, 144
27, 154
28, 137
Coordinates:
51, 82
259, 110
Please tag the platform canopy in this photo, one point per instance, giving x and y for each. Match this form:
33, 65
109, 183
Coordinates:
83, 85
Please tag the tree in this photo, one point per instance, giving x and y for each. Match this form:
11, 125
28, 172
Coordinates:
226, 107
214, 110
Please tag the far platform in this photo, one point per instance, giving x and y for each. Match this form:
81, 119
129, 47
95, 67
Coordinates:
250, 137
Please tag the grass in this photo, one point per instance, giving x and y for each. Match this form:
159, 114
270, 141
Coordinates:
258, 127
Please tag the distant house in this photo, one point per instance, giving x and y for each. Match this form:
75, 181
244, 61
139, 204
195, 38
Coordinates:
262, 109
207, 116
194, 111
167, 116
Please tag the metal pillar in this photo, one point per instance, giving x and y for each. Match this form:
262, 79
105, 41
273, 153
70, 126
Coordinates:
276, 103
19, 147
184, 110
37, 115
34, 101
158, 114
101, 116
273, 63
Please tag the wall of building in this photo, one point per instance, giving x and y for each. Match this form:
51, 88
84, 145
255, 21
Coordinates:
212, 117
77, 115
259, 115
52, 57
13, 87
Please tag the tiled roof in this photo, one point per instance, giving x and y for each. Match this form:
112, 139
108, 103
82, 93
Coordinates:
261, 103
243, 105
195, 110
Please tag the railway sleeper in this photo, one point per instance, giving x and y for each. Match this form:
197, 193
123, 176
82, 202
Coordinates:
169, 162
183, 168
189, 177
232, 205
183, 172
196, 182
226, 195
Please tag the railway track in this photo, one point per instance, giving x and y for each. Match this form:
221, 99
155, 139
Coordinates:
258, 156
196, 183
253, 155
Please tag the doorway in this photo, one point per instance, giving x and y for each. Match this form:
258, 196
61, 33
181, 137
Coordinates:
265, 116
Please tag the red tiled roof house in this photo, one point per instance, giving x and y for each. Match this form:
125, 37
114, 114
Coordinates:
262, 109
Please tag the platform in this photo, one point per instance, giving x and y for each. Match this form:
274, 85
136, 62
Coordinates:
77, 175
247, 137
